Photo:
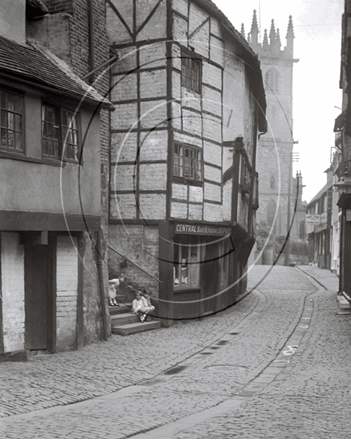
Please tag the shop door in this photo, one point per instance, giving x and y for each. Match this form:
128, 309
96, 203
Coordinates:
36, 297
211, 276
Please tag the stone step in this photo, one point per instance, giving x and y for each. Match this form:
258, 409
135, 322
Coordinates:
343, 302
124, 318
118, 310
130, 329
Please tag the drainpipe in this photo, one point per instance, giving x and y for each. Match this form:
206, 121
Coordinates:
101, 284
91, 40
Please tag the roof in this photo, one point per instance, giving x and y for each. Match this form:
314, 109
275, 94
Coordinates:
249, 56
34, 63
321, 192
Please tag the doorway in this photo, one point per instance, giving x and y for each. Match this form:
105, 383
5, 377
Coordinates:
37, 288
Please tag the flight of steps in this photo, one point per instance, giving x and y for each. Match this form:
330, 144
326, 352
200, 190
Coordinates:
344, 301
125, 323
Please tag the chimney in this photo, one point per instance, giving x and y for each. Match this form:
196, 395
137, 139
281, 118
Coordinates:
13, 20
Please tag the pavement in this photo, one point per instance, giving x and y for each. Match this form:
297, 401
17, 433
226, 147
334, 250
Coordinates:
275, 365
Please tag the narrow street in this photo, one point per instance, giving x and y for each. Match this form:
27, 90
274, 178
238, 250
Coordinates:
276, 365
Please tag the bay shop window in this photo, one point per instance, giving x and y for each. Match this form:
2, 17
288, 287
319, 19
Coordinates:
186, 263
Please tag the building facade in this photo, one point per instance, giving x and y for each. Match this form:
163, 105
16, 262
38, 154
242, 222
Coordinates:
190, 104
320, 225
343, 144
50, 220
280, 194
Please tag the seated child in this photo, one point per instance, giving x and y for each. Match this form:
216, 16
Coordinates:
142, 305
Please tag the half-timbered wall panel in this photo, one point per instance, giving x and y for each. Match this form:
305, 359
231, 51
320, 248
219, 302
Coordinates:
12, 290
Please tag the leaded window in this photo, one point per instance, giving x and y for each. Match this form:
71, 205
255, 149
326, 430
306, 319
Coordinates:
191, 71
187, 162
11, 120
60, 133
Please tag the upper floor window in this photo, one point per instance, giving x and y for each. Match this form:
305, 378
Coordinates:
11, 120
272, 79
191, 71
60, 133
187, 162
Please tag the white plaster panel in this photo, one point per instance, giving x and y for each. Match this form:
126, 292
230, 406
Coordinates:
195, 212
154, 145
212, 153
12, 273
179, 191
123, 148
152, 206
212, 173
213, 213
123, 206
196, 194
153, 176
179, 210
212, 192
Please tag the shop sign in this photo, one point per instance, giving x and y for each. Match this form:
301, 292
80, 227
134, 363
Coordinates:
313, 219
181, 228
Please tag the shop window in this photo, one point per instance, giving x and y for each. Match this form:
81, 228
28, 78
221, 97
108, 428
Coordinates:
191, 71
187, 162
11, 120
60, 134
186, 269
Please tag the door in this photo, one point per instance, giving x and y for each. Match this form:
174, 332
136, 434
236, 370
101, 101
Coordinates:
36, 297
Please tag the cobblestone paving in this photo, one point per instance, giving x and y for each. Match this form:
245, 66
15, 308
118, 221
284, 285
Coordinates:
217, 357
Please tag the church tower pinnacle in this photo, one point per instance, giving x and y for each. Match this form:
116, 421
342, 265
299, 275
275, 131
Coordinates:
254, 31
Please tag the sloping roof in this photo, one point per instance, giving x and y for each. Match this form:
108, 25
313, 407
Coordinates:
249, 56
321, 192
34, 63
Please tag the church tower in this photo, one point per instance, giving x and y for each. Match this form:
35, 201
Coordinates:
275, 148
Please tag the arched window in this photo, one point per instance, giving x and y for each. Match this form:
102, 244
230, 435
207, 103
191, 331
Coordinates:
271, 207
272, 79
272, 182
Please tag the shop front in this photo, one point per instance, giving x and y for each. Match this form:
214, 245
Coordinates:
200, 268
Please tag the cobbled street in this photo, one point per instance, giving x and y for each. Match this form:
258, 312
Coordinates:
275, 365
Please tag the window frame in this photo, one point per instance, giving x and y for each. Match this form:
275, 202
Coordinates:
179, 162
62, 137
187, 242
5, 149
193, 81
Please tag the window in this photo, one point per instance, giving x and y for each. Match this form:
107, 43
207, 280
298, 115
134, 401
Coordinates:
272, 182
186, 269
271, 208
191, 71
272, 80
11, 117
60, 134
187, 162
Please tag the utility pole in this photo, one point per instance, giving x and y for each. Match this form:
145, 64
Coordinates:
287, 247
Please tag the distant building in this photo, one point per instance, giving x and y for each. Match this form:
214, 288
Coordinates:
190, 103
319, 225
50, 205
277, 188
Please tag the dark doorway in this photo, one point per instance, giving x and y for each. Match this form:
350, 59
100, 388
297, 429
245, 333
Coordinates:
211, 275
36, 296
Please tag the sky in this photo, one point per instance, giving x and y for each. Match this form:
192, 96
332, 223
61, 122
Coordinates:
317, 97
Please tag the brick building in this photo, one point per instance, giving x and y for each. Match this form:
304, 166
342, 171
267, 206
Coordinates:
190, 103
278, 189
52, 135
